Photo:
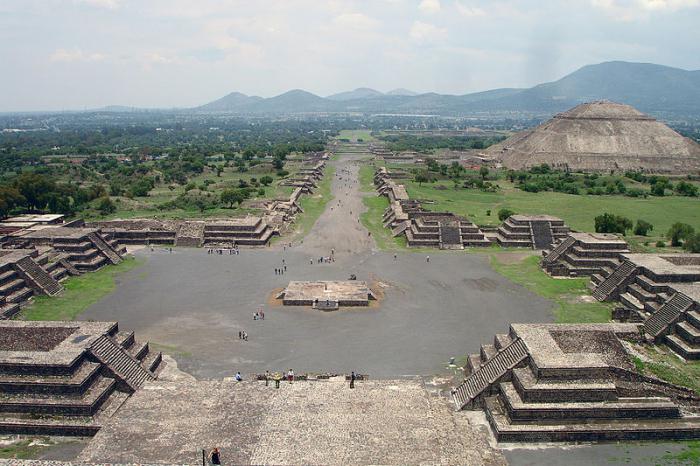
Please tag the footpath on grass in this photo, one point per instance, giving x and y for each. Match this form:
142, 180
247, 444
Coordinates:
80, 293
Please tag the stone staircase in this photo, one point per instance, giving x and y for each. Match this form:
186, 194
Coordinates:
105, 248
37, 276
489, 373
450, 236
667, 315
190, 235
541, 235
605, 290
557, 252
121, 362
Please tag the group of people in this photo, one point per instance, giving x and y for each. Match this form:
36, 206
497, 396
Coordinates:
323, 260
220, 251
243, 335
280, 270
259, 315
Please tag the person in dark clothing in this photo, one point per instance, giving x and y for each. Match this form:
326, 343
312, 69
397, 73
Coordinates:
215, 456
352, 379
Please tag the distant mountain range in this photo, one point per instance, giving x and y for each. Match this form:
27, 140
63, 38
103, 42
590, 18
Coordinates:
648, 87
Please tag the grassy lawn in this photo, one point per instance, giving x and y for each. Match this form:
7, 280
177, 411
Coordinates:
80, 293
573, 300
660, 362
25, 449
314, 204
354, 134
578, 211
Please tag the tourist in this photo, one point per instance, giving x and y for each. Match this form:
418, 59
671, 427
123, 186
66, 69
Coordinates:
240, 335
290, 376
352, 379
215, 456
245, 335
267, 378
427, 258
394, 257
285, 268
238, 377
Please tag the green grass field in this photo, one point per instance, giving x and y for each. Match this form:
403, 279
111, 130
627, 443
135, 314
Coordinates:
573, 300
80, 293
354, 134
578, 211
314, 205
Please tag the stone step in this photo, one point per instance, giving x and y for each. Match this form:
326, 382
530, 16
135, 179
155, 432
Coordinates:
683, 348
487, 352
18, 424
20, 295
473, 363
532, 390
84, 405
7, 310
501, 340
688, 332
11, 286
591, 430
628, 408
75, 384
630, 302
693, 317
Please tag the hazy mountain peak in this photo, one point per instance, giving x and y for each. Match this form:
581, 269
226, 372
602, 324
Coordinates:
402, 91
359, 93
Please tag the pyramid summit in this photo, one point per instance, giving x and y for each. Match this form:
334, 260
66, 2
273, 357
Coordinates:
600, 136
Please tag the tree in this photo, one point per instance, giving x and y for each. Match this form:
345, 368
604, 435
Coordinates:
504, 214
35, 188
692, 243
483, 172
679, 232
610, 223
686, 189
421, 178
106, 206
658, 189
266, 180
642, 227
232, 196
9, 199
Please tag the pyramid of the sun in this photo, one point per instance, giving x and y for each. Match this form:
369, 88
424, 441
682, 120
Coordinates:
600, 137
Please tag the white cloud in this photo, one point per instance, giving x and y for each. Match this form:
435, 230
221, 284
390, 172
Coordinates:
631, 10
355, 21
469, 11
429, 6
74, 55
110, 4
421, 31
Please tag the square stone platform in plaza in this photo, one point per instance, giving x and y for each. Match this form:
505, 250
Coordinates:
326, 294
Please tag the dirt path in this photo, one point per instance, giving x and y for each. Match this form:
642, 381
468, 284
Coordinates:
339, 228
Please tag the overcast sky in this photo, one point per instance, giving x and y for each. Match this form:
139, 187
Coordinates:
75, 54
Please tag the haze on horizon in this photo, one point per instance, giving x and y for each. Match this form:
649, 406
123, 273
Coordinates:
76, 54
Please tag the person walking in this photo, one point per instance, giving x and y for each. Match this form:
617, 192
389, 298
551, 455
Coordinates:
290, 376
427, 258
238, 377
352, 379
267, 378
215, 456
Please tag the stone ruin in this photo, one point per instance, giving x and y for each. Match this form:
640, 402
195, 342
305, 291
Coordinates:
573, 382
530, 231
35, 259
423, 228
327, 295
660, 290
249, 231
584, 254
67, 378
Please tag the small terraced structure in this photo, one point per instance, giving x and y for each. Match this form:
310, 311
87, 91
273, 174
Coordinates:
421, 227
661, 290
530, 231
573, 382
66, 378
584, 254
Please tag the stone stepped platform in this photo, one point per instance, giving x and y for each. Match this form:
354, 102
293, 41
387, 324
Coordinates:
61, 378
576, 382
531, 231
584, 254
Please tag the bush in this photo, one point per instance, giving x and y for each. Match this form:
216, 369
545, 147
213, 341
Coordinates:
610, 223
679, 232
660, 244
692, 243
504, 214
266, 180
106, 206
642, 227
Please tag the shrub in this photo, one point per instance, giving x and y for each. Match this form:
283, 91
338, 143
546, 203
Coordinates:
642, 227
660, 244
504, 214
106, 206
692, 243
610, 223
679, 232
